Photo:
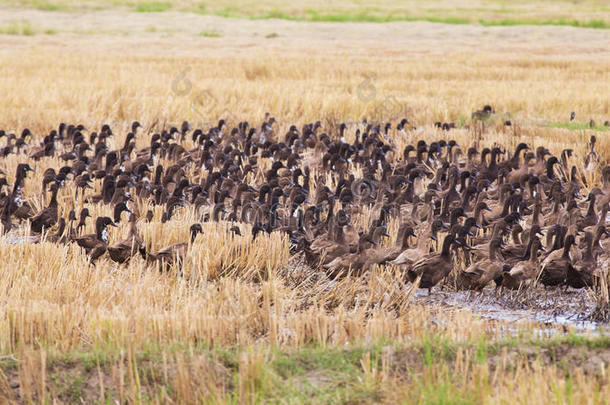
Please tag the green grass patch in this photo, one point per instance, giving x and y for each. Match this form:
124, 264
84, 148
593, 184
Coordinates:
50, 6
507, 22
153, 7
210, 34
366, 16
311, 374
18, 28
496, 13
574, 340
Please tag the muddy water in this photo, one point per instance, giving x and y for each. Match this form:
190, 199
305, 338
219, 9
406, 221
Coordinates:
567, 310
17, 239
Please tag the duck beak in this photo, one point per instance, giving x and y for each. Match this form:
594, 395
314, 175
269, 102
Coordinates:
443, 226
113, 224
469, 233
434, 238
413, 234
477, 226
387, 235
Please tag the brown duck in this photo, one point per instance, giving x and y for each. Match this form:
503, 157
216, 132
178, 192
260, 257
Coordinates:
46, 218
173, 253
554, 272
435, 267
478, 275
96, 244
122, 251
582, 274
524, 272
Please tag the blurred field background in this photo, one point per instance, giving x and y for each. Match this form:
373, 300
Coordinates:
585, 13
265, 331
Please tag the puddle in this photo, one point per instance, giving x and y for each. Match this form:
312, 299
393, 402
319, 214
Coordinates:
558, 309
16, 239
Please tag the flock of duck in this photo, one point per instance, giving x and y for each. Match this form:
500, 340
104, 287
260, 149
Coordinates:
512, 218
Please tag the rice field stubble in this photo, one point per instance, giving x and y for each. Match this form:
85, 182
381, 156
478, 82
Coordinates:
243, 322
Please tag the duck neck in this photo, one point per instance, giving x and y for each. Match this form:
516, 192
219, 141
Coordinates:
549, 170
515, 159
602, 218
516, 236
446, 251
466, 200
506, 207
494, 160
495, 232
493, 252
414, 213
340, 235
133, 230
588, 254
556, 205
558, 241
53, 202
591, 210
533, 253
566, 250
598, 236
18, 183
477, 214
217, 210
402, 240
101, 232
536, 216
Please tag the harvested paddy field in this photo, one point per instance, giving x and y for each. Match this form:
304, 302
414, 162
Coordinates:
293, 252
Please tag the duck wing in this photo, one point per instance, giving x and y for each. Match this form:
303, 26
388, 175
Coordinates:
171, 252
97, 252
408, 256
122, 251
87, 242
